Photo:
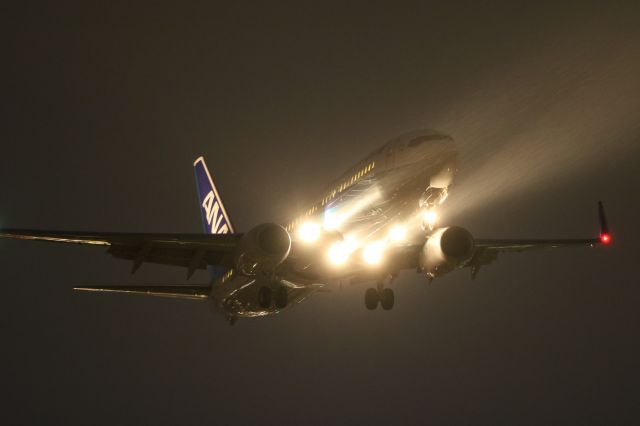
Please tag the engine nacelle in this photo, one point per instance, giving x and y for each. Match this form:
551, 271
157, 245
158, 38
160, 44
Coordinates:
263, 248
446, 249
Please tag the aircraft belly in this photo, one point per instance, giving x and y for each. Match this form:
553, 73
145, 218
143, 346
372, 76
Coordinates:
239, 296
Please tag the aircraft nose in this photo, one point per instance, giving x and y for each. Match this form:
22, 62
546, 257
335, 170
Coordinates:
446, 143
431, 141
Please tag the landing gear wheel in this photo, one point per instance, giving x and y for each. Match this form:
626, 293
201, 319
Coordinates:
282, 298
387, 298
371, 298
264, 297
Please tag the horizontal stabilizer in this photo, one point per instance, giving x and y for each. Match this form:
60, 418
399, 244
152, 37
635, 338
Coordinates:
173, 291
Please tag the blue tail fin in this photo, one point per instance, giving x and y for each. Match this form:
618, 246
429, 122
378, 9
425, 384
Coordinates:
214, 216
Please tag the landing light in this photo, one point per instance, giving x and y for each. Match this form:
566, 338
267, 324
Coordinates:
605, 238
397, 233
332, 220
430, 217
350, 244
372, 253
338, 253
309, 232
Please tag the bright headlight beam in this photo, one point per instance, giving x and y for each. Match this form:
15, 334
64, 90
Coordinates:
338, 253
372, 253
397, 233
350, 244
309, 232
332, 220
430, 217
335, 217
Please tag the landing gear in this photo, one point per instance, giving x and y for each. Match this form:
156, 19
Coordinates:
264, 297
371, 298
384, 296
387, 298
282, 297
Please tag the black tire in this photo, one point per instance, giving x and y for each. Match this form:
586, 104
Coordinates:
264, 297
371, 298
282, 298
387, 299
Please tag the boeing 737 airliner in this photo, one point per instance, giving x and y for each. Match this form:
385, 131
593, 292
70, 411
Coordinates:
377, 219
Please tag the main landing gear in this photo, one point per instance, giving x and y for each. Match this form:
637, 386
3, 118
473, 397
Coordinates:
379, 295
266, 296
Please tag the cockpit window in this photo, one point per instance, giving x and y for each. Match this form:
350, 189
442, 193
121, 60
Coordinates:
425, 138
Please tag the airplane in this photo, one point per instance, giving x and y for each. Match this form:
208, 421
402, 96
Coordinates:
378, 218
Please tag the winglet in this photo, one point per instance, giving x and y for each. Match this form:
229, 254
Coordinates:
605, 236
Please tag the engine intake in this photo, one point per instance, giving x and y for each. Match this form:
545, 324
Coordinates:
446, 249
263, 248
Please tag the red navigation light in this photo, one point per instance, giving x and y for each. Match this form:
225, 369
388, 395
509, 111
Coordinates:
605, 238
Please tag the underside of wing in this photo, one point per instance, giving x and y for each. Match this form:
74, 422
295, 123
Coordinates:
532, 244
172, 291
220, 241
529, 244
487, 250
192, 251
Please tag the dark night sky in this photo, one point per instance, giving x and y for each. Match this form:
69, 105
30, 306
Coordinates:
104, 109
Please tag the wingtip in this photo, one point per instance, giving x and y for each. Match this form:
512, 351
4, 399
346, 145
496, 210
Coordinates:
602, 218
605, 235
84, 289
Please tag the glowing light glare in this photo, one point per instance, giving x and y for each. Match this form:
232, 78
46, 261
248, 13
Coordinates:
350, 244
332, 220
338, 253
605, 238
397, 233
430, 217
372, 253
336, 216
309, 232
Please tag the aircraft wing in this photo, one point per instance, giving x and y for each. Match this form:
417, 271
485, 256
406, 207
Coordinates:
487, 250
514, 245
172, 291
192, 251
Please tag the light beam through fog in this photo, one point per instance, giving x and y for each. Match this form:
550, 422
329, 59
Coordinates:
556, 115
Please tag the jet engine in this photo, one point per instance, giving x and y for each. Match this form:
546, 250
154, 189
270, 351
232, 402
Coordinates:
446, 249
263, 248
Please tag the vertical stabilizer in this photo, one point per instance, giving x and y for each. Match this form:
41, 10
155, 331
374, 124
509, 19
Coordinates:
214, 216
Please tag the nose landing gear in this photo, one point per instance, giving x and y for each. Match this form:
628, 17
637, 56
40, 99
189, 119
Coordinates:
282, 297
266, 295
